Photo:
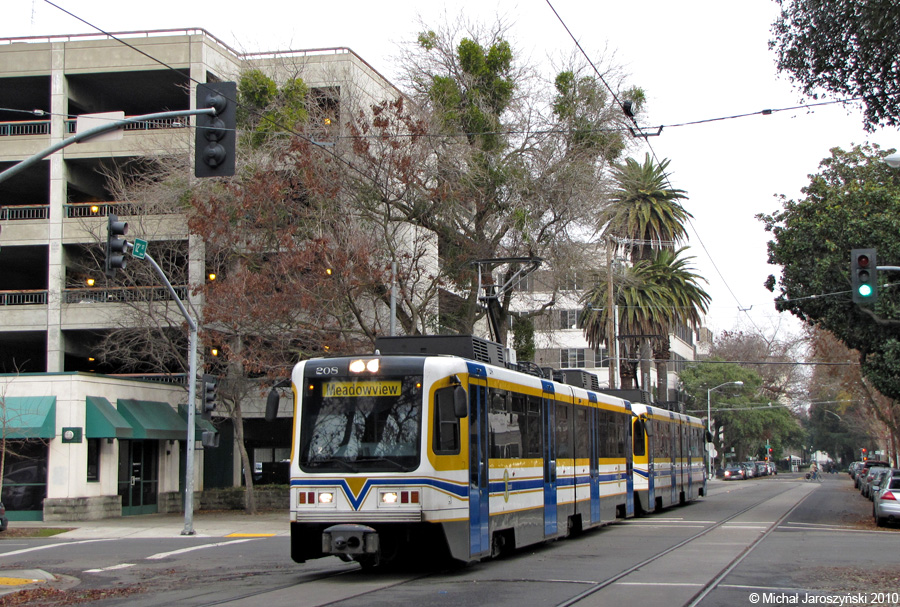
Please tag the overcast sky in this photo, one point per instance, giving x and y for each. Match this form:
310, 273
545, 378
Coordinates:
696, 60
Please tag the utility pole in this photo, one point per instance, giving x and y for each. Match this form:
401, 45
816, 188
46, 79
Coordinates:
611, 344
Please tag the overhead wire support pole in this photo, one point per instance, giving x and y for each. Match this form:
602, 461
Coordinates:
98, 130
492, 291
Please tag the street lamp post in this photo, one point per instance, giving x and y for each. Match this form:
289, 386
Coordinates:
709, 423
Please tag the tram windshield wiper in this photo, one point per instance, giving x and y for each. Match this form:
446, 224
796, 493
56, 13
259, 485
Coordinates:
342, 462
378, 460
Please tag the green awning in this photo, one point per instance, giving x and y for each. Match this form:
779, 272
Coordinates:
101, 420
200, 425
152, 420
28, 416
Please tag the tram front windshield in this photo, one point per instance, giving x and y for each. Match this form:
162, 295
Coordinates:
356, 425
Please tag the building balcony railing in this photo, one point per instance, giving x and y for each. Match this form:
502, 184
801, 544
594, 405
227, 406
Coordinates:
42, 127
14, 212
144, 125
81, 210
121, 294
102, 209
25, 127
23, 298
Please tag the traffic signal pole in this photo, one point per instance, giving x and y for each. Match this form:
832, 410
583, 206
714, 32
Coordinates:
192, 396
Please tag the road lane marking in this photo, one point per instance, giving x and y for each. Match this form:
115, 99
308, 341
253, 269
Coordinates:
162, 555
111, 568
56, 545
250, 535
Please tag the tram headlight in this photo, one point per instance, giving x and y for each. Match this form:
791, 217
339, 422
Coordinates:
359, 365
394, 497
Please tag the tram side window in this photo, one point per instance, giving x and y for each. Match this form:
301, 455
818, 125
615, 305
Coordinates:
582, 432
603, 432
446, 424
619, 422
639, 445
505, 429
534, 434
664, 440
658, 438
563, 432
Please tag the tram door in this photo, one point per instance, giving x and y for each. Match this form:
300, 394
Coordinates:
479, 494
629, 463
549, 457
685, 464
138, 476
594, 457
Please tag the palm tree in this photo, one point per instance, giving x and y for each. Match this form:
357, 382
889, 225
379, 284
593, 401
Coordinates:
659, 290
638, 302
644, 210
671, 274
652, 296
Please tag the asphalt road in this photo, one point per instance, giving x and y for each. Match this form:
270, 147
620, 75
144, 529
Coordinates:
779, 539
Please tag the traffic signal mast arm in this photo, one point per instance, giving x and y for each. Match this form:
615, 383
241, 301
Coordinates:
98, 130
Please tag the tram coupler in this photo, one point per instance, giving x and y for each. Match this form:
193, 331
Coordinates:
350, 540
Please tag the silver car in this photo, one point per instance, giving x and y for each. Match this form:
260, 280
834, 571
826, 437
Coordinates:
886, 503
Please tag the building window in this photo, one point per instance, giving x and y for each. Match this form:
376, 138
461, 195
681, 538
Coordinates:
573, 281
93, 460
684, 333
601, 357
570, 319
571, 358
678, 363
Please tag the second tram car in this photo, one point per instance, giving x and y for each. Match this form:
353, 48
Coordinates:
396, 455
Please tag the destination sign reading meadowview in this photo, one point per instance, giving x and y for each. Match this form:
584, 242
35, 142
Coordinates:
337, 389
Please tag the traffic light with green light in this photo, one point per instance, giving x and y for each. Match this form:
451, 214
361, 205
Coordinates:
864, 275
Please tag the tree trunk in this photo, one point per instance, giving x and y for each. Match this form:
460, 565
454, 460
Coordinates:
646, 354
662, 354
237, 419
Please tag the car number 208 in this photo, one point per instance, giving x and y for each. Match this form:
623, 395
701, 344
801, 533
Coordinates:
326, 370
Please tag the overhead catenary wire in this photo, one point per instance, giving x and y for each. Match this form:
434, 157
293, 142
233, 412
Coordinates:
613, 93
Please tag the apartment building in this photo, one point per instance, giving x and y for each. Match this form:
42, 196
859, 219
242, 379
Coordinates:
55, 301
560, 342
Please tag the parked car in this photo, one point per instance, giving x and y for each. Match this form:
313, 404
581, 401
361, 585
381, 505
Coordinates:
734, 473
762, 469
853, 469
864, 470
749, 469
875, 484
865, 484
886, 503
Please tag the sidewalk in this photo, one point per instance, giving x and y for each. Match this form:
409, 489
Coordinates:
230, 523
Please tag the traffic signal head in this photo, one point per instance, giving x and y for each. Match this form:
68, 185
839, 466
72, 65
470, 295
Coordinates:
864, 275
115, 245
209, 396
214, 138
